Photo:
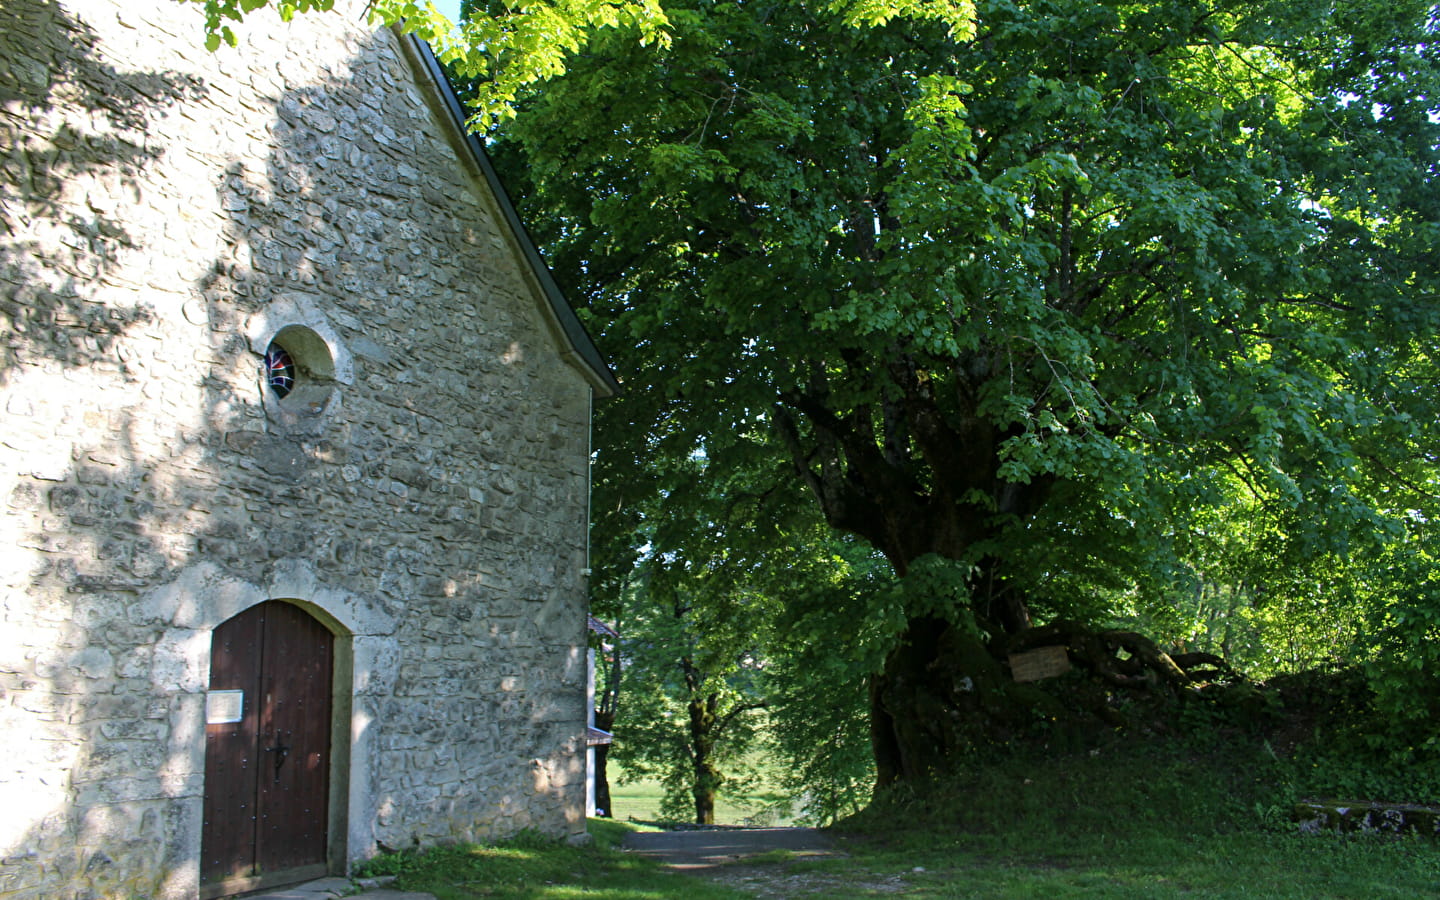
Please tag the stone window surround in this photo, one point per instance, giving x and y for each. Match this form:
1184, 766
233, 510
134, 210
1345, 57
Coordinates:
327, 365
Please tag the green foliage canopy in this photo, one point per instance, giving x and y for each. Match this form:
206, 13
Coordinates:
1050, 297
1020, 296
501, 47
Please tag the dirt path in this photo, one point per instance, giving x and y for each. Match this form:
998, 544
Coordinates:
745, 859
706, 848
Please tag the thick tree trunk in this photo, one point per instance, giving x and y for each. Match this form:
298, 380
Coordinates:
941, 682
883, 744
905, 708
944, 693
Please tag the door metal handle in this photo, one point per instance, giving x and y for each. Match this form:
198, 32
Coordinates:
281, 751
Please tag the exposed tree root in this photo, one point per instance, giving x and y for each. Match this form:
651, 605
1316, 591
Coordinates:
946, 693
1123, 659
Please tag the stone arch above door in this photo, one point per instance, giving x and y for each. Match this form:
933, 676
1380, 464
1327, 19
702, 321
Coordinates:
203, 597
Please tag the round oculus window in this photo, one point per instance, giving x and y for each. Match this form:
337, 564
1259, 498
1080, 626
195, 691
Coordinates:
279, 370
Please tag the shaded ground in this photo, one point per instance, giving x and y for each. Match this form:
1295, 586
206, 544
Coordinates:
786, 880
706, 848
767, 863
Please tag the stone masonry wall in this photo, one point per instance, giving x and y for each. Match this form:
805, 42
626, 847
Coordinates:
163, 212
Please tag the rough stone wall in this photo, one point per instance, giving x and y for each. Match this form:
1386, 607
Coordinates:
163, 212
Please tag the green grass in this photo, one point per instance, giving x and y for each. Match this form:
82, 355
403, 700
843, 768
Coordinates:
638, 800
1119, 865
533, 867
1152, 821
1141, 821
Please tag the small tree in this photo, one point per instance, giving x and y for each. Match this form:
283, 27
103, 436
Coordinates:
691, 677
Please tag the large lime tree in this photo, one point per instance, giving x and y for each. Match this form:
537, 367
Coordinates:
1014, 301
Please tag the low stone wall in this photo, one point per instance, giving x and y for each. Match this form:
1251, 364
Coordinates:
1391, 818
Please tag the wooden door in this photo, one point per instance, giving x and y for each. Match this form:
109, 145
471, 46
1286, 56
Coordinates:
267, 750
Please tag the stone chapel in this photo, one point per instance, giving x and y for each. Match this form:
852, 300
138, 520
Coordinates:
294, 447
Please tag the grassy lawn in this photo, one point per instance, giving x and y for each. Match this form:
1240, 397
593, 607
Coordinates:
1134, 822
638, 800
1125, 824
1254, 866
536, 868
1251, 866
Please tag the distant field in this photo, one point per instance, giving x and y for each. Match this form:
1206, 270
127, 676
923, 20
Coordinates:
640, 801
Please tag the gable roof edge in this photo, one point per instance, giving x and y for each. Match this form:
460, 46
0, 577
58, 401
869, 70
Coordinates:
581, 351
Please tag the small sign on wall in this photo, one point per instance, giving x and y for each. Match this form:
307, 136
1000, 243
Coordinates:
1037, 665
224, 707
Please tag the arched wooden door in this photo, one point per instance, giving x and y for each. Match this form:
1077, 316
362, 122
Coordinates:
267, 750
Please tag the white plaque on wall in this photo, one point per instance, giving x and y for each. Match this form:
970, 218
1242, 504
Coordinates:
222, 707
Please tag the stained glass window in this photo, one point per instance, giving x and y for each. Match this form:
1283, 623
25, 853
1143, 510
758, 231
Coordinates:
279, 370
